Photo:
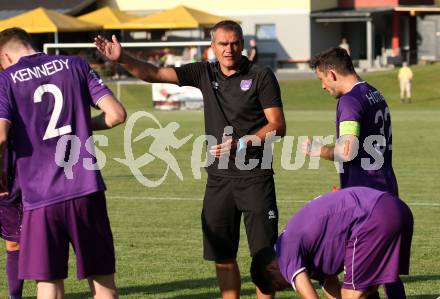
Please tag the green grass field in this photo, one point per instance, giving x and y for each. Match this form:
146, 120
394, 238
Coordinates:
157, 231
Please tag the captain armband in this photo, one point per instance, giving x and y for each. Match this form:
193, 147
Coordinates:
349, 128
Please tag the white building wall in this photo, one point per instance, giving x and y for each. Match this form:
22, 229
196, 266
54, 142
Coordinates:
324, 36
291, 18
292, 30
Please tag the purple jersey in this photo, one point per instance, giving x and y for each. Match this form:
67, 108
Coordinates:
14, 196
45, 97
366, 106
314, 239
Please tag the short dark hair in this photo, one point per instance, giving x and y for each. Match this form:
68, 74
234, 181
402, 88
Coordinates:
260, 273
15, 34
228, 25
333, 59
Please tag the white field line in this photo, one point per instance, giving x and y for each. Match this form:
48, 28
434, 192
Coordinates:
278, 200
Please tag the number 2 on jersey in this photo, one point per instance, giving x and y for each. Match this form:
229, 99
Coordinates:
51, 130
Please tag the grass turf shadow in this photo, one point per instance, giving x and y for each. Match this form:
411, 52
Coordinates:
415, 278
423, 296
173, 286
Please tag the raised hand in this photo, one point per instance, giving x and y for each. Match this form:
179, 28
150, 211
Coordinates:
112, 50
224, 148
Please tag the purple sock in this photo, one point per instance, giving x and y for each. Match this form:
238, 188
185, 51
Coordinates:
395, 290
15, 285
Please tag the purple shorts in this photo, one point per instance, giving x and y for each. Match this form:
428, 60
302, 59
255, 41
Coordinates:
47, 232
10, 222
380, 250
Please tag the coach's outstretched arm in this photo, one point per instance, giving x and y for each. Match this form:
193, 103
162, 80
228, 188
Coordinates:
143, 70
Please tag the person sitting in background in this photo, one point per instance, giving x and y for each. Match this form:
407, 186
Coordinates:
253, 52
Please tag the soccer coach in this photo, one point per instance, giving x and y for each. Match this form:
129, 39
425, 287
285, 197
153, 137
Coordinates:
242, 105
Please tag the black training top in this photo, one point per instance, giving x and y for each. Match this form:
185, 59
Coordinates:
237, 101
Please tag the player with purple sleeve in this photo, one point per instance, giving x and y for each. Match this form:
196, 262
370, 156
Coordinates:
363, 127
364, 232
11, 214
45, 101
364, 113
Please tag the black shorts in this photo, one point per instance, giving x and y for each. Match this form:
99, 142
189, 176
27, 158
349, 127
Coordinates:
225, 200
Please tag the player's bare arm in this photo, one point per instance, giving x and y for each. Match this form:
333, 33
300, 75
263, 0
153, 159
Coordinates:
113, 114
315, 148
4, 129
143, 70
346, 148
276, 124
304, 286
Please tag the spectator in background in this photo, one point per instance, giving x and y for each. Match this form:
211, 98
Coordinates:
253, 52
189, 54
167, 59
186, 55
154, 59
193, 53
344, 45
210, 55
115, 70
405, 78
